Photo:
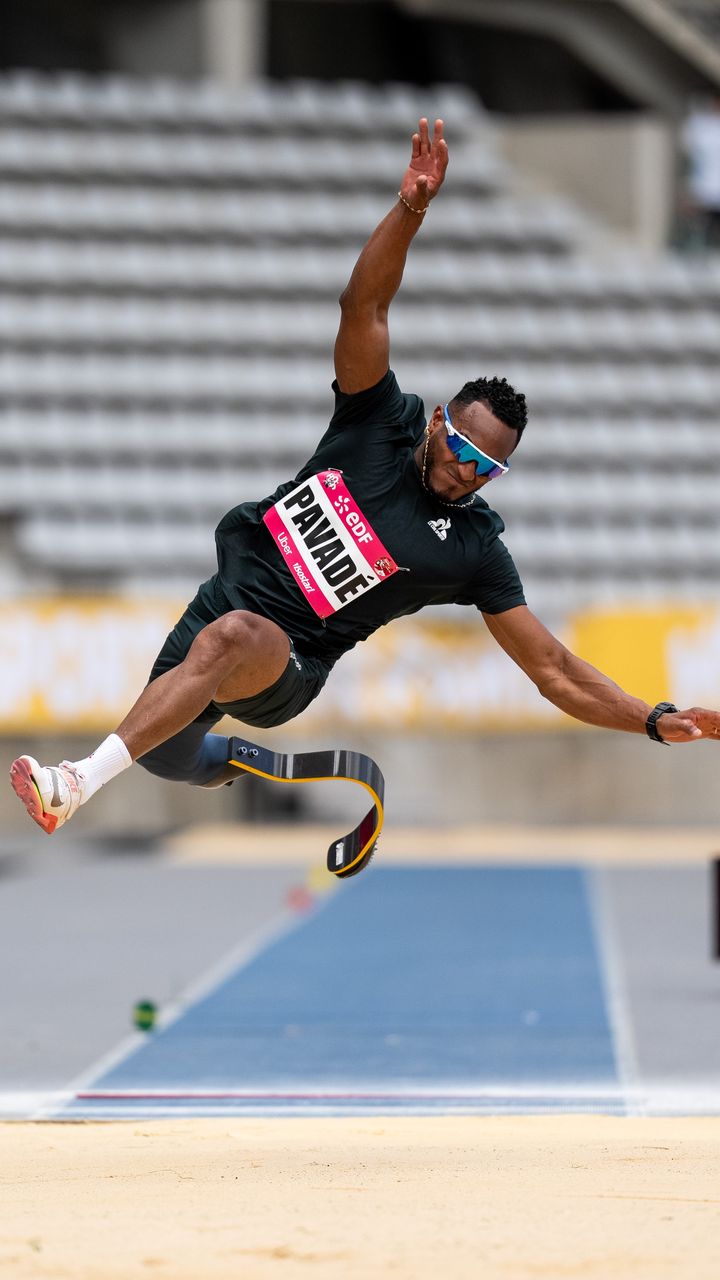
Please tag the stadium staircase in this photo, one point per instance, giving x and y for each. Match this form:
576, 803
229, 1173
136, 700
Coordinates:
170, 262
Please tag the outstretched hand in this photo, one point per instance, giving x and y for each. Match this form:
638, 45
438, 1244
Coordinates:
425, 174
689, 726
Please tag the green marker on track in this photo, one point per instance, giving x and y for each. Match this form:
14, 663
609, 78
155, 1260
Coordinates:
144, 1015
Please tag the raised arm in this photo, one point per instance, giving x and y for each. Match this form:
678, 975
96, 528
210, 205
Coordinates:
362, 347
580, 690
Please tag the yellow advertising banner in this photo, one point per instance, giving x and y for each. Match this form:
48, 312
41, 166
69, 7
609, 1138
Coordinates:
76, 665
662, 654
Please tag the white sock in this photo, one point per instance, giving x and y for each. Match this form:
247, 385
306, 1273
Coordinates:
106, 762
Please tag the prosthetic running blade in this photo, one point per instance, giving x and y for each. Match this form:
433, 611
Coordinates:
349, 854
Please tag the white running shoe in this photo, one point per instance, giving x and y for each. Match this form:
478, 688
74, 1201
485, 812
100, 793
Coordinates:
51, 794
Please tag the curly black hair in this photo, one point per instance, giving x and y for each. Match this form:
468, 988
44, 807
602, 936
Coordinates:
502, 400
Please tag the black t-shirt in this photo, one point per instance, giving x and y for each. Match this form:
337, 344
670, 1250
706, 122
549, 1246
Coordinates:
449, 554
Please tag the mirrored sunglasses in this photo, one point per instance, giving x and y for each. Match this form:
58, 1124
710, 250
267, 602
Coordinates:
466, 451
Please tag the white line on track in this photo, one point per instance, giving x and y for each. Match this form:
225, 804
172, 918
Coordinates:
653, 1098
240, 956
615, 986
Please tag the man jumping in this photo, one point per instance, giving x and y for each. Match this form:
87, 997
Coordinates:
384, 519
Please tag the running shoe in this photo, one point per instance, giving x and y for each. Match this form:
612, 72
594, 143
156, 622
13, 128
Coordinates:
51, 794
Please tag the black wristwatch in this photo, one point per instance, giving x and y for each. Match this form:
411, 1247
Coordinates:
651, 722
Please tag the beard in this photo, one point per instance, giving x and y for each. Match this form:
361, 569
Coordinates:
435, 478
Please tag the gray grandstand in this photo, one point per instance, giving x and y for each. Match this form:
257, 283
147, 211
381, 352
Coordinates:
170, 261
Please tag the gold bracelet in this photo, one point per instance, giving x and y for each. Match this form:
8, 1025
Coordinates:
419, 212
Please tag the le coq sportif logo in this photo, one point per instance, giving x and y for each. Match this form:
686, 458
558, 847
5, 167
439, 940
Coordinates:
440, 527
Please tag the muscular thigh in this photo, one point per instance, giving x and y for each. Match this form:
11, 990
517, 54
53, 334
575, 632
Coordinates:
248, 653
298, 680
297, 686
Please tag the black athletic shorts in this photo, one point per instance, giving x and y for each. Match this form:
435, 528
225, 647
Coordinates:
300, 682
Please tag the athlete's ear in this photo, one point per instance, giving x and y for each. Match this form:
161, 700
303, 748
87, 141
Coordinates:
436, 420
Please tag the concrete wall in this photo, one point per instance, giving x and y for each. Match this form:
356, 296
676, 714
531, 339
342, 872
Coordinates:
234, 37
156, 38
638, 46
621, 171
221, 39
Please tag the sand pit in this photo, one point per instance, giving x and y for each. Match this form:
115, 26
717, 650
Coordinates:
459, 1198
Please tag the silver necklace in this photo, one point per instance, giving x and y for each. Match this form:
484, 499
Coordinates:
454, 505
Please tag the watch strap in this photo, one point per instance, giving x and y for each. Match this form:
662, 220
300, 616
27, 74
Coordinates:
651, 722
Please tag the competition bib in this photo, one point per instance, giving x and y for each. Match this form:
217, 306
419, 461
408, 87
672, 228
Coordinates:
330, 547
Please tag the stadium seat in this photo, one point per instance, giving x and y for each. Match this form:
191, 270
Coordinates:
170, 261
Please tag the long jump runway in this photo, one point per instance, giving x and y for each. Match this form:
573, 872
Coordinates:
467, 989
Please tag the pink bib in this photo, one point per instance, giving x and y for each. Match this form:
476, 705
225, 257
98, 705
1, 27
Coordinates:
330, 547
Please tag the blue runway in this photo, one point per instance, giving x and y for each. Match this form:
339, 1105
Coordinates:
458, 988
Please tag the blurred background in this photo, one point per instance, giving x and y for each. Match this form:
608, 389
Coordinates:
184, 188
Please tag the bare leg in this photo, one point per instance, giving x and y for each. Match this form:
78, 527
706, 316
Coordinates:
237, 656
234, 657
